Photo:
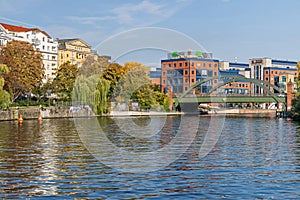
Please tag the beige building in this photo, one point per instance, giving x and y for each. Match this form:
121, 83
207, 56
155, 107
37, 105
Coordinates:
73, 50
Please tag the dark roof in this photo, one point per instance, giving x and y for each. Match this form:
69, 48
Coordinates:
62, 41
279, 68
284, 62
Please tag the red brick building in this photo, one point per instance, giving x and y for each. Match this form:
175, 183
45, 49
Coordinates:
183, 72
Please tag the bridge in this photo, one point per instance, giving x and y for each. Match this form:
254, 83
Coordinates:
186, 97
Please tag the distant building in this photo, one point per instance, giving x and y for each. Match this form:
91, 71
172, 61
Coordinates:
242, 87
241, 68
268, 69
183, 70
236, 69
39, 39
280, 77
155, 75
74, 51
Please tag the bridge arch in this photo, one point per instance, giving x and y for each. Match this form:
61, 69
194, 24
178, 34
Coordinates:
235, 78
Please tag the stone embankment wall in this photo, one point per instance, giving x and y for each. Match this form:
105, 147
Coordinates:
46, 113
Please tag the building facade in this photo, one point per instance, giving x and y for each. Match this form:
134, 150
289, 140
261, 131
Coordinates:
268, 69
40, 40
280, 77
181, 72
74, 51
155, 75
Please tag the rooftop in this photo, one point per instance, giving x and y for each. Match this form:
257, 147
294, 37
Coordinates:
13, 28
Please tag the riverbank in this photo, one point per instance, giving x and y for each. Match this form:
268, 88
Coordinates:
85, 111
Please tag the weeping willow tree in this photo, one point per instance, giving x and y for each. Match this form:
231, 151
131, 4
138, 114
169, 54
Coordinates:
101, 104
83, 92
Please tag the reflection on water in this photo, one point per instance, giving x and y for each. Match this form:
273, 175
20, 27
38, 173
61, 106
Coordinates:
254, 158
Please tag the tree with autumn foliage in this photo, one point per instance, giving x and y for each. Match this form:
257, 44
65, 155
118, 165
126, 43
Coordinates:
135, 77
113, 73
25, 68
63, 83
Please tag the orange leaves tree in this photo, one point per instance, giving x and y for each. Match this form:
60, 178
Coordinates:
25, 68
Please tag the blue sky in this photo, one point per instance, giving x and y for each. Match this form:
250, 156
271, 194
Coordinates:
227, 28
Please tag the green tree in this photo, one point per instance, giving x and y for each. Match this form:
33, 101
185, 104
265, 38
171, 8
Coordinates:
25, 68
84, 89
101, 105
296, 108
144, 96
4, 95
63, 83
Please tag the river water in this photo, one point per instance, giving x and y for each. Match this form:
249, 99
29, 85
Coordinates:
252, 158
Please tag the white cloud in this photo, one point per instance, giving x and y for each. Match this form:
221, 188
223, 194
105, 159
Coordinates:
144, 13
126, 14
89, 20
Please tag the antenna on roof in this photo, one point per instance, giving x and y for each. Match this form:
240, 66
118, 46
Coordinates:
235, 59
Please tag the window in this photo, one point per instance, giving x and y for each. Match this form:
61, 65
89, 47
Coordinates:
164, 73
192, 63
43, 39
215, 73
204, 64
185, 72
186, 64
215, 65
186, 80
284, 79
198, 64
174, 64
193, 72
275, 72
180, 64
209, 65
267, 78
169, 65
164, 81
193, 80
43, 47
267, 72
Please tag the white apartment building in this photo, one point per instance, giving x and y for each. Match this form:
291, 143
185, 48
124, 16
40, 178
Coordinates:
39, 39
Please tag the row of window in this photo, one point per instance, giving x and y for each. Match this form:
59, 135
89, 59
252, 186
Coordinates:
237, 85
48, 48
47, 57
198, 72
78, 56
178, 81
192, 64
276, 72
